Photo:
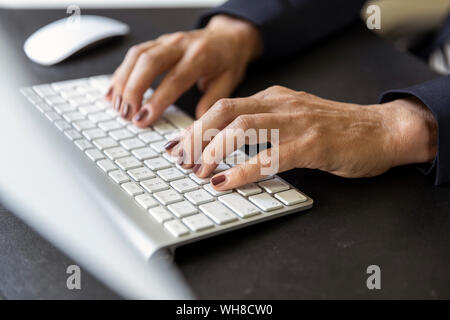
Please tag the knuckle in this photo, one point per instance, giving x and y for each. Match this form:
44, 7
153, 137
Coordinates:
148, 58
244, 122
135, 50
225, 105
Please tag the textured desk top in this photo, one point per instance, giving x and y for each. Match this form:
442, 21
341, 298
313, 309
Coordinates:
398, 221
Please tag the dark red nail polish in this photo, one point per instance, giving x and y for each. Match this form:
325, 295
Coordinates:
125, 110
169, 145
218, 179
141, 115
181, 157
118, 102
196, 168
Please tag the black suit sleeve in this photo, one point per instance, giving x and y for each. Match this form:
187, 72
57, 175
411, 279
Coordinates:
435, 94
287, 26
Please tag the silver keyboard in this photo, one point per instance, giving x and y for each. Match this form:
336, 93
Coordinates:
184, 205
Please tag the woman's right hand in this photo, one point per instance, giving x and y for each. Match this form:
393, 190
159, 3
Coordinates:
214, 57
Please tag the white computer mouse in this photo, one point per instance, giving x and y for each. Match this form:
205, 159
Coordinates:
61, 39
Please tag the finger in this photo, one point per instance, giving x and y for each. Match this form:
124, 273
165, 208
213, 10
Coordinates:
204, 129
245, 129
186, 72
149, 65
122, 73
219, 88
267, 162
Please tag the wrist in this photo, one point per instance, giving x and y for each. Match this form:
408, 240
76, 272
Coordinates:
414, 131
242, 33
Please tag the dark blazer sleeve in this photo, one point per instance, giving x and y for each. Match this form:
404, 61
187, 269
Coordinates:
287, 26
435, 94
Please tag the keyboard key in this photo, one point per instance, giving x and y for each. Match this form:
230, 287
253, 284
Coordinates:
103, 104
79, 101
144, 153
44, 90
154, 185
170, 174
168, 196
89, 109
198, 222
160, 214
132, 188
176, 228
116, 153
182, 209
208, 187
170, 158
157, 163
146, 201
198, 197
162, 127
128, 163
83, 125
218, 212
52, 116
63, 108
150, 136
194, 177
99, 117
249, 189
221, 167
104, 143
62, 125
119, 176
73, 116
67, 84
137, 130
72, 134
266, 202
273, 185
83, 144
69, 93
106, 165
121, 134
94, 154
185, 171
43, 107
109, 125
159, 146
140, 174
54, 100
290, 197
241, 206
92, 134
132, 143
184, 185
177, 117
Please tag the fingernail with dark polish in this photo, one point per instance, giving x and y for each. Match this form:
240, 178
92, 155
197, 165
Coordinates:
141, 115
172, 143
118, 102
125, 110
196, 168
181, 157
218, 179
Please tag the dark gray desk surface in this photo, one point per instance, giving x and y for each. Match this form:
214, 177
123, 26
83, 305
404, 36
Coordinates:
398, 221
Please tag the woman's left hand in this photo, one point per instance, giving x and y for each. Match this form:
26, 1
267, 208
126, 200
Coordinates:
345, 139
